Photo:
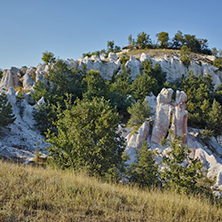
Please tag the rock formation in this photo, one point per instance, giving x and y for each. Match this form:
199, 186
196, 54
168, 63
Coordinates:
180, 115
10, 78
164, 111
168, 111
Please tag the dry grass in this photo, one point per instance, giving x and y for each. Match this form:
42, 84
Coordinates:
36, 194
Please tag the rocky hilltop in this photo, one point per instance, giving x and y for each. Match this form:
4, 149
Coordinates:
21, 138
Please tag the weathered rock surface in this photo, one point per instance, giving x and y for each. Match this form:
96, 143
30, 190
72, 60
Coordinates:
180, 116
135, 66
164, 111
10, 78
28, 82
134, 142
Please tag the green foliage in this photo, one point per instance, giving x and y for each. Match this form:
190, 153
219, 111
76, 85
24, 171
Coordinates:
151, 80
181, 173
45, 115
40, 90
185, 54
95, 85
142, 86
178, 40
200, 92
214, 121
214, 51
123, 81
218, 63
87, 137
192, 42
65, 83
48, 57
110, 46
163, 38
1, 72
20, 97
139, 112
130, 39
65, 80
143, 41
144, 172
6, 114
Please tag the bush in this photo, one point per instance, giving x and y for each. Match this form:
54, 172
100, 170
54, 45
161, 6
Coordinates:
6, 114
181, 172
144, 172
87, 138
185, 54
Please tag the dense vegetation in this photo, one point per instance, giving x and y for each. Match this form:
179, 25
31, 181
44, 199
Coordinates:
163, 41
81, 119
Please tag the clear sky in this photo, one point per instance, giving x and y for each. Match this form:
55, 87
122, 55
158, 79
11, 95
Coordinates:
69, 28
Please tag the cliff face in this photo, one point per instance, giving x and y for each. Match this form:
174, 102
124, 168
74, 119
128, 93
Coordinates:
170, 63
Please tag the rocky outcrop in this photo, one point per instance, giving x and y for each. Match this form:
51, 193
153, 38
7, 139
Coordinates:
28, 82
180, 116
10, 78
168, 111
164, 112
134, 142
41, 78
135, 66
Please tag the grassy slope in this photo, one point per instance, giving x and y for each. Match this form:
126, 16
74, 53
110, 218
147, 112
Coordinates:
36, 194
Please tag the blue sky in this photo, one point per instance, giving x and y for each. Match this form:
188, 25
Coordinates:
69, 28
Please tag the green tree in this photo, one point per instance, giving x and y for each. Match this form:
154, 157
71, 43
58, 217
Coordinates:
87, 137
48, 57
181, 172
218, 63
142, 86
95, 85
19, 99
178, 40
163, 38
139, 112
130, 39
143, 41
214, 121
214, 51
110, 46
192, 42
123, 81
144, 172
185, 54
6, 114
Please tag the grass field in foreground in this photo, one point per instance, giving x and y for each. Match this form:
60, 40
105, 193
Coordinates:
35, 194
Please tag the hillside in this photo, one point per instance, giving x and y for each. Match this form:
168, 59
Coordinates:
38, 96
37, 194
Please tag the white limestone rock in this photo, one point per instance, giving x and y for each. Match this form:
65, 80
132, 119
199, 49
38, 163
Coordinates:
41, 78
10, 78
103, 56
108, 69
40, 67
28, 82
152, 102
134, 142
143, 57
72, 63
95, 58
163, 114
135, 66
112, 57
31, 70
